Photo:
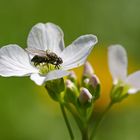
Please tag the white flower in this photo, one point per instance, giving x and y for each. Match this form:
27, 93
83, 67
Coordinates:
117, 59
15, 61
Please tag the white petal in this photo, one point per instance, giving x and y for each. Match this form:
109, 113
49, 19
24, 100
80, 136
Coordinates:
38, 79
134, 81
56, 74
55, 38
117, 59
76, 54
37, 37
46, 37
14, 61
132, 91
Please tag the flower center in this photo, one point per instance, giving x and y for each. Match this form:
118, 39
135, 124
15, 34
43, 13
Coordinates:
44, 68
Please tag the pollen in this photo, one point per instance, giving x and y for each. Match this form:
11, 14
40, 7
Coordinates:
45, 68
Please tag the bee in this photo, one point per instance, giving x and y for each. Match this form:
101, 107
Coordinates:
46, 57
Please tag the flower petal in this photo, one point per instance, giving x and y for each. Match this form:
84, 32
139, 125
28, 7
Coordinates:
14, 61
117, 59
134, 81
46, 37
56, 74
55, 38
38, 79
37, 37
76, 54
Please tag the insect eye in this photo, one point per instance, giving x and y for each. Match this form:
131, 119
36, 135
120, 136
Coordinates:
60, 60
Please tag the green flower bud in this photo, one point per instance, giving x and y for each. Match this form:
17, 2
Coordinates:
72, 76
55, 88
85, 82
71, 92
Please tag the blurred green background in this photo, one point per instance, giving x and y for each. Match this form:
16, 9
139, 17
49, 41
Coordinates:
26, 111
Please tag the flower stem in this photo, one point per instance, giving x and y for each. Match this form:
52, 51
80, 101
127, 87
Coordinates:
97, 124
82, 124
85, 135
66, 121
75, 116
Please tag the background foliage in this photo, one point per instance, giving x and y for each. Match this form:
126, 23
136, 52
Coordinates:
26, 111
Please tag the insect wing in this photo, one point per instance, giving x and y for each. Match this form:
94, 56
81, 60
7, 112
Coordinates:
36, 52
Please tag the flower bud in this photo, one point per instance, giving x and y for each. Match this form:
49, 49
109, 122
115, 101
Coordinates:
94, 86
72, 76
94, 81
88, 70
71, 92
69, 84
85, 96
86, 81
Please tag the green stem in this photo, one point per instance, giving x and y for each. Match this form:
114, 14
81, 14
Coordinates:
97, 124
75, 115
85, 134
66, 121
83, 128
